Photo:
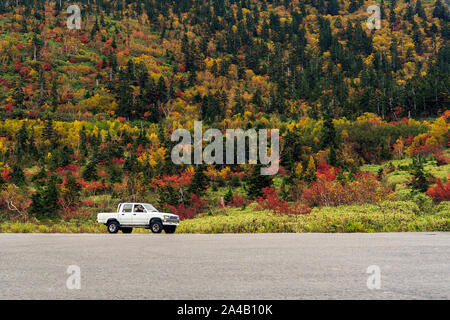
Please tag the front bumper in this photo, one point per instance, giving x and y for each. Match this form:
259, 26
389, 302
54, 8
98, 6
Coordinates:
171, 222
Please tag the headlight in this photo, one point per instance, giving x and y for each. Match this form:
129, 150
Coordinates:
167, 217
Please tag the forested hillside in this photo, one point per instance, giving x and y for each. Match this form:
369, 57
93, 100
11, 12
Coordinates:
154, 60
87, 115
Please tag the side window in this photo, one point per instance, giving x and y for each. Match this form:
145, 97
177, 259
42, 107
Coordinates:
127, 207
139, 208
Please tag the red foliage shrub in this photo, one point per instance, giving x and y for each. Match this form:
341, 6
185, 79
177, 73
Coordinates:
282, 171
424, 150
176, 181
88, 203
9, 107
441, 159
95, 186
118, 161
25, 72
272, 202
365, 189
326, 171
17, 65
240, 175
237, 201
70, 212
409, 140
46, 66
69, 167
188, 211
5, 174
440, 192
84, 38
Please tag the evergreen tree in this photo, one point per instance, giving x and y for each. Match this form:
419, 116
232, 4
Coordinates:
256, 182
37, 207
50, 197
90, 171
419, 10
22, 147
73, 189
421, 180
45, 200
228, 196
17, 176
199, 181
333, 7
329, 138
325, 35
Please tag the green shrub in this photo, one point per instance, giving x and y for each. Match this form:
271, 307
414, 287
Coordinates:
424, 202
403, 193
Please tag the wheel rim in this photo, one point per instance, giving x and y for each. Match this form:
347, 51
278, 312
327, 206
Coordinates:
112, 227
155, 227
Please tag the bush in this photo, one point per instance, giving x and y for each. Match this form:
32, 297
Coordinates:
186, 211
365, 189
443, 208
424, 202
237, 201
441, 159
440, 192
272, 202
388, 216
403, 193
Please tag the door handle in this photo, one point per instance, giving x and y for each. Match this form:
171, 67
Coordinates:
134, 214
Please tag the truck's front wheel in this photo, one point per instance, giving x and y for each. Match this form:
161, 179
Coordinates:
113, 227
156, 227
170, 229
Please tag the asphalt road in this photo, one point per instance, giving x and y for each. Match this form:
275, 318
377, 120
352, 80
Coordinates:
255, 266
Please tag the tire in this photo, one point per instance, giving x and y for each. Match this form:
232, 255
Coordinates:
113, 227
156, 226
127, 230
170, 229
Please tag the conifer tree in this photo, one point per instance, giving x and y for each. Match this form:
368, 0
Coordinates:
256, 182
199, 181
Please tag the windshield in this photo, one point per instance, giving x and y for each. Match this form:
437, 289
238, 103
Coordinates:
150, 208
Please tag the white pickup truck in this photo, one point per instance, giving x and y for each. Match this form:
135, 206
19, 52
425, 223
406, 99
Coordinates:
138, 215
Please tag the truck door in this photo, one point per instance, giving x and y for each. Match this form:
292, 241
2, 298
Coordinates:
140, 215
126, 215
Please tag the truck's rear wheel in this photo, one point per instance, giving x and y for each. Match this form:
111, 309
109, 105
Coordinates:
113, 227
127, 230
156, 227
170, 229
